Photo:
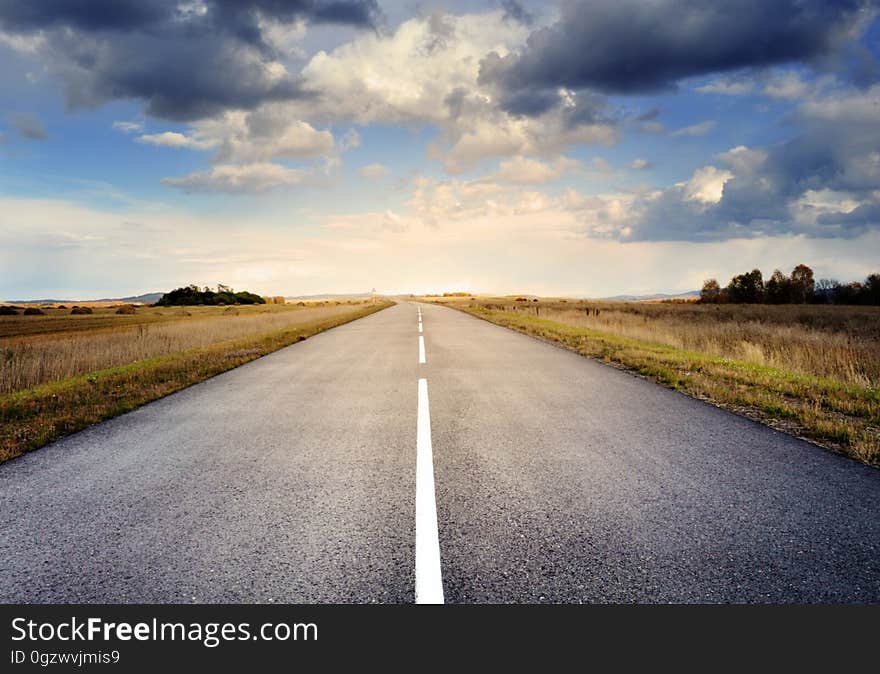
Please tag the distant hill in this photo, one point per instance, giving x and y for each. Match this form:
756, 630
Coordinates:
331, 296
146, 298
691, 294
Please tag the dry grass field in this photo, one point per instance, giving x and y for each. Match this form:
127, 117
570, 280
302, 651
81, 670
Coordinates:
61, 372
37, 350
810, 370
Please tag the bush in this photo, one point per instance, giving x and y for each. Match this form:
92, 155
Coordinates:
192, 295
711, 292
34, 311
126, 309
81, 310
8, 311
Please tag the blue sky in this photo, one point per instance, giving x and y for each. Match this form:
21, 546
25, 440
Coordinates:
585, 148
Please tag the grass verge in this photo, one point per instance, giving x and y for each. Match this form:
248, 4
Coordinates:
35, 417
835, 415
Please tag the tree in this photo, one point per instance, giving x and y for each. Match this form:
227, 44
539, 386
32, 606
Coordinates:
826, 291
802, 284
747, 288
872, 289
778, 288
192, 295
711, 292
849, 293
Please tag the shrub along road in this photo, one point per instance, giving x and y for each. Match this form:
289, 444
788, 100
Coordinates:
557, 479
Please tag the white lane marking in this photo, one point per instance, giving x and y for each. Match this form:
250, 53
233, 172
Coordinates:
421, 349
429, 579
420, 327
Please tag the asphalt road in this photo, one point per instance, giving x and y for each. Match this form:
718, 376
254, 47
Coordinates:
555, 479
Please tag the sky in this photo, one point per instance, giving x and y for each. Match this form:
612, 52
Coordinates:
582, 147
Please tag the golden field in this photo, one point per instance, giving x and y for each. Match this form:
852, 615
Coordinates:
37, 350
810, 370
60, 372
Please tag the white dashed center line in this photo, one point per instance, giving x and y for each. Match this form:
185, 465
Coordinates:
421, 349
429, 580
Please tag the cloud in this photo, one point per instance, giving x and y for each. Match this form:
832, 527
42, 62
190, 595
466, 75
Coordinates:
241, 16
349, 141
174, 139
184, 60
700, 129
640, 164
514, 11
728, 87
524, 171
373, 171
239, 179
370, 222
426, 71
824, 183
776, 84
633, 46
788, 86
269, 132
497, 134
706, 186
128, 127
171, 247
857, 108
862, 218
28, 126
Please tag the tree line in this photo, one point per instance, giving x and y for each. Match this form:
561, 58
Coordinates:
798, 288
192, 294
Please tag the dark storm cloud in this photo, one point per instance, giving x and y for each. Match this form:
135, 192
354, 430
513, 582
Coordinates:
863, 217
241, 16
185, 61
577, 110
180, 77
629, 46
83, 14
514, 11
530, 103
93, 15
358, 13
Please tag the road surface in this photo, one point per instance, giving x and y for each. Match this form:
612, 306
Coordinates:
500, 469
